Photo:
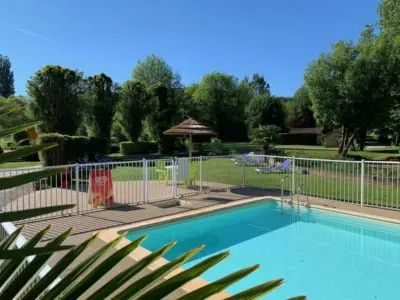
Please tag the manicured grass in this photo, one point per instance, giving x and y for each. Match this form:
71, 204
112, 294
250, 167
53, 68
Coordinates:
326, 180
331, 153
20, 164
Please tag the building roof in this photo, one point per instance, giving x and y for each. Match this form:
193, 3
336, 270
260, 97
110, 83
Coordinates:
189, 127
305, 131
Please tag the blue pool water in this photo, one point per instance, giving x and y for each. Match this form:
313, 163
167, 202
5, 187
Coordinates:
319, 254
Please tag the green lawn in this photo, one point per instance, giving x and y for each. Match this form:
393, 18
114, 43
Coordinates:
325, 180
20, 164
331, 153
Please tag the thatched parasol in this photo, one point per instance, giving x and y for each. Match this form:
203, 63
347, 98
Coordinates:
189, 127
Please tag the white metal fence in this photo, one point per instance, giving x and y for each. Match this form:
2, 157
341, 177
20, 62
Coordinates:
372, 183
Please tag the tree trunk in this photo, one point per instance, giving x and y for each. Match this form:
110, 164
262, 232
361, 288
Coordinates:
265, 149
362, 136
348, 144
343, 141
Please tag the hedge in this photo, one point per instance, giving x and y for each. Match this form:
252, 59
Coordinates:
71, 149
128, 148
98, 145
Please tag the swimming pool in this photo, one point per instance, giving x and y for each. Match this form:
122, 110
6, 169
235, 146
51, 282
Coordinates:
319, 254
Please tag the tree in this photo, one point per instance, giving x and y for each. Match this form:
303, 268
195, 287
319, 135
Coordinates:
265, 110
17, 116
300, 111
132, 108
154, 70
56, 99
259, 85
266, 136
219, 106
101, 96
162, 114
6, 77
351, 88
392, 125
389, 11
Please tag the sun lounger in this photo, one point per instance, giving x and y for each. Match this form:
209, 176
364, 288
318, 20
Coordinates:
283, 167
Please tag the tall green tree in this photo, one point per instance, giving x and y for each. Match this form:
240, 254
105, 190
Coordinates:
6, 77
259, 85
56, 94
162, 114
219, 106
101, 96
155, 70
300, 112
132, 108
389, 11
265, 110
351, 87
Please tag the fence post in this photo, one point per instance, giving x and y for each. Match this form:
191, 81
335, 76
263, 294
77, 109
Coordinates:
201, 173
244, 173
362, 182
293, 188
174, 178
77, 184
145, 179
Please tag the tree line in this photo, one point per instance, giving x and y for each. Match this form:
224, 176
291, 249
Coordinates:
354, 88
153, 100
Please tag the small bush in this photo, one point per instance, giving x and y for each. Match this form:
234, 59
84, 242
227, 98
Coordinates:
21, 138
69, 150
129, 148
114, 148
54, 156
98, 145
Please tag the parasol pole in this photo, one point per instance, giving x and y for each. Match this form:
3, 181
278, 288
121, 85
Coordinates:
190, 145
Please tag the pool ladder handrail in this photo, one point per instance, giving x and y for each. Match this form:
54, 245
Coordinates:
299, 192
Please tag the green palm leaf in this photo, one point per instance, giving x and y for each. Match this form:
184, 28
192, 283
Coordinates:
12, 130
31, 213
13, 155
17, 180
15, 263
44, 283
298, 298
30, 272
219, 285
10, 241
124, 276
149, 279
258, 291
6, 109
72, 276
98, 272
170, 285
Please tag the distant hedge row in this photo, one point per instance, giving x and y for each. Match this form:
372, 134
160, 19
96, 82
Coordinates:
72, 148
129, 148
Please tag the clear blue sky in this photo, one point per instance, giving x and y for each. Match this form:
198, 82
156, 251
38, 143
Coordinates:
277, 38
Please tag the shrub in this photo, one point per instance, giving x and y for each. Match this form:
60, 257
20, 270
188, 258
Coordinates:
70, 149
128, 148
21, 138
114, 148
98, 145
55, 156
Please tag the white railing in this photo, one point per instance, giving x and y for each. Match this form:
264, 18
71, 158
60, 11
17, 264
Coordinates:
370, 183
